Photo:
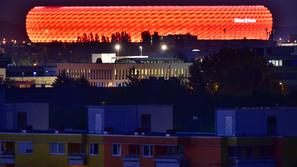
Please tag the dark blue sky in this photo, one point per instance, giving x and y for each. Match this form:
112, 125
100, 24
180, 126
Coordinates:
284, 11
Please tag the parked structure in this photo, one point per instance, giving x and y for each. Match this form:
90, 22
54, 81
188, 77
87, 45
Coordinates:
123, 119
277, 121
30, 116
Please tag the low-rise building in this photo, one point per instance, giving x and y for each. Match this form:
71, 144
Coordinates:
130, 118
22, 116
266, 121
115, 74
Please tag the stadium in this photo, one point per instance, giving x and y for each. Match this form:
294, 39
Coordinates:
66, 24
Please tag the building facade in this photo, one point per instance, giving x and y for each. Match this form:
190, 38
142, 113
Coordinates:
130, 118
68, 24
45, 149
115, 74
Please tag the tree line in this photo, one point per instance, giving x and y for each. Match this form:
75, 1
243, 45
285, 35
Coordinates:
119, 37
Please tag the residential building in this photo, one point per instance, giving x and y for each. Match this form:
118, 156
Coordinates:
63, 149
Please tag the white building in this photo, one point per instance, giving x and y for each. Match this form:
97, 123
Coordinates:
115, 74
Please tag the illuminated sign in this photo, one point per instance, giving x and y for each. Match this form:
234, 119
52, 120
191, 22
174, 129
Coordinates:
244, 20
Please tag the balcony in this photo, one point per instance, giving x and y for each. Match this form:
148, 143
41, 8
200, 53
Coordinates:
131, 161
240, 162
7, 158
76, 159
76, 154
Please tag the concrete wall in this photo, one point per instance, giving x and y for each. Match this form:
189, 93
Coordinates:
253, 121
161, 117
220, 120
123, 119
37, 115
286, 121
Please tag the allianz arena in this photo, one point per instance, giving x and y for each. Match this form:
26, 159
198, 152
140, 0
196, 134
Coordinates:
66, 24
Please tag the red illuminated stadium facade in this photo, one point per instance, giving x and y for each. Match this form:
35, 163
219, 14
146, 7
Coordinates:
66, 24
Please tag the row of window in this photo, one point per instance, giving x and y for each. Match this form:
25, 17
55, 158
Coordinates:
277, 63
121, 74
59, 149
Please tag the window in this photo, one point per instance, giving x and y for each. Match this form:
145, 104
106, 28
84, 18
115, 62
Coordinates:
94, 149
25, 147
271, 125
147, 150
277, 63
57, 148
116, 149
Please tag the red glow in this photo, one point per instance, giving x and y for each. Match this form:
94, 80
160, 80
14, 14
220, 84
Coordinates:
46, 24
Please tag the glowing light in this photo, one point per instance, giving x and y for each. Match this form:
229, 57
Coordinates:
66, 24
117, 48
164, 47
140, 48
196, 50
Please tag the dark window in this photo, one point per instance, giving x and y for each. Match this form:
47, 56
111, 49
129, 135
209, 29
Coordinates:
134, 150
146, 121
116, 149
21, 120
271, 125
147, 150
94, 149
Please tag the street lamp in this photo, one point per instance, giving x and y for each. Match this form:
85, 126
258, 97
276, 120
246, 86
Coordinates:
282, 87
140, 48
117, 48
164, 47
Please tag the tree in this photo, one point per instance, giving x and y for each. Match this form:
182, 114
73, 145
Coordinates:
156, 39
121, 37
232, 72
146, 38
64, 81
82, 82
9, 83
133, 78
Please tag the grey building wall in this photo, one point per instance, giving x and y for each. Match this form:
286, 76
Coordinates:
37, 115
254, 121
126, 119
161, 117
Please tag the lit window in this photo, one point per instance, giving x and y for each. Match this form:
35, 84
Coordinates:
116, 150
25, 147
147, 150
57, 148
94, 149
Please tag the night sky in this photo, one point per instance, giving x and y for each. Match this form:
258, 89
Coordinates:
284, 11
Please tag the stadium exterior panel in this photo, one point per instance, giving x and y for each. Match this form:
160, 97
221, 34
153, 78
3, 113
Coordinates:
67, 24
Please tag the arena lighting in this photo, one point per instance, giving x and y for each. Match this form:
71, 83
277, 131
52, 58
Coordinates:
66, 24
